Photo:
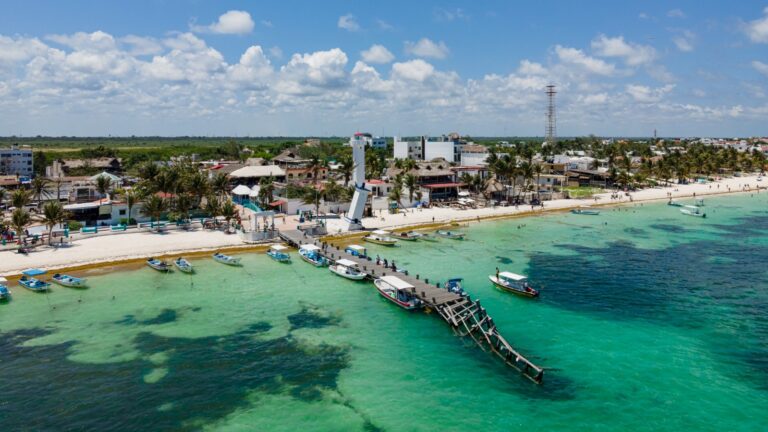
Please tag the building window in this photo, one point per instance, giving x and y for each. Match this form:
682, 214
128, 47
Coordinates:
122, 212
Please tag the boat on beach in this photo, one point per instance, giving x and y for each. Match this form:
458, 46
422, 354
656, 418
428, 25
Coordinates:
585, 211
158, 265
311, 254
29, 281
450, 234
347, 269
356, 250
68, 281
397, 291
514, 283
278, 253
226, 259
690, 210
183, 265
409, 235
380, 237
5, 293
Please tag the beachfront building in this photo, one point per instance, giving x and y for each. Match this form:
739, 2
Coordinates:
369, 140
436, 179
425, 148
16, 161
474, 155
298, 169
251, 175
574, 162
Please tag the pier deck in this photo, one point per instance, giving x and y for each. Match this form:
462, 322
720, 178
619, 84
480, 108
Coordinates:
466, 316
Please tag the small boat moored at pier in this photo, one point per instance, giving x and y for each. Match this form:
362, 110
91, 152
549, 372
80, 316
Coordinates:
68, 281
409, 235
226, 259
347, 269
183, 265
311, 254
278, 253
5, 293
690, 210
356, 250
380, 237
699, 203
585, 211
454, 285
397, 291
158, 265
450, 234
513, 283
29, 281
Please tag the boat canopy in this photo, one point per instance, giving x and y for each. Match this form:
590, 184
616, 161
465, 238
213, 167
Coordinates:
692, 207
278, 247
512, 276
346, 263
310, 247
33, 272
357, 248
396, 282
456, 279
3, 280
381, 232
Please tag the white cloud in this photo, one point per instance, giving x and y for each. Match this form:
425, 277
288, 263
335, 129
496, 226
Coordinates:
528, 67
683, 44
757, 30
576, 57
377, 54
449, 15
427, 48
595, 99
348, 22
645, 94
383, 25
231, 22
699, 93
676, 13
416, 70
267, 23
760, 67
633, 54
142, 45
96, 41
20, 49
276, 52
313, 72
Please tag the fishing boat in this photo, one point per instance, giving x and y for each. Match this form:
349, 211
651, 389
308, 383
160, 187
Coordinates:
311, 254
409, 236
454, 285
226, 259
278, 253
585, 211
68, 281
514, 283
397, 291
674, 203
450, 234
380, 237
356, 250
29, 281
428, 237
158, 265
5, 293
690, 210
183, 265
347, 269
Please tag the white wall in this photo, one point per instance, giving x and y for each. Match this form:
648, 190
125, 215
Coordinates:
439, 149
474, 159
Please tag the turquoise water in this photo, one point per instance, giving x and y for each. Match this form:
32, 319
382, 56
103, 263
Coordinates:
648, 320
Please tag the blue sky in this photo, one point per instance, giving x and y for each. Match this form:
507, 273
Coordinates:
334, 67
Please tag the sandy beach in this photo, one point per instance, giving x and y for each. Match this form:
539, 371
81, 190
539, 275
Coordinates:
137, 245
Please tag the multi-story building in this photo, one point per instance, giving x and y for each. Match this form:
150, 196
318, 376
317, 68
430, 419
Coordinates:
16, 161
370, 140
426, 148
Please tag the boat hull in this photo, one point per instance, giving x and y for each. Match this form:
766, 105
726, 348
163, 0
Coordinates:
380, 241
586, 212
161, 267
184, 267
355, 277
316, 263
383, 292
229, 262
512, 290
690, 213
283, 258
69, 282
43, 287
451, 236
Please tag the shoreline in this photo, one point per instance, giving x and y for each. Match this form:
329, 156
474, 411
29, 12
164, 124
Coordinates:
137, 247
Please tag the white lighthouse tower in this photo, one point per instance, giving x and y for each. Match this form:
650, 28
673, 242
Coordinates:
353, 218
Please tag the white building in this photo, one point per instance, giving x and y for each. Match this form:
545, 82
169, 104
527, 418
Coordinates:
474, 155
16, 161
583, 163
426, 148
369, 140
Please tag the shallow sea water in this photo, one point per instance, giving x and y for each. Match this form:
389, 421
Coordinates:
648, 320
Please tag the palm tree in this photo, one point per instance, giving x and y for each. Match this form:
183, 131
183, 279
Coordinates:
19, 220
39, 189
315, 165
346, 166
182, 205
53, 214
131, 196
213, 206
538, 169
103, 185
312, 196
198, 184
396, 194
266, 191
220, 185
410, 183
149, 171
20, 198
154, 206
228, 210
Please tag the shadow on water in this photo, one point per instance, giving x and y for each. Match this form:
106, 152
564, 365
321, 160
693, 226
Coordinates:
207, 379
715, 287
676, 229
504, 260
636, 232
312, 317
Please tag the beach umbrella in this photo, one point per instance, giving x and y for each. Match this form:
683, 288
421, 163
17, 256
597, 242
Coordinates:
241, 190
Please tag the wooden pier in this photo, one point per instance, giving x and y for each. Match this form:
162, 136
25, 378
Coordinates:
466, 317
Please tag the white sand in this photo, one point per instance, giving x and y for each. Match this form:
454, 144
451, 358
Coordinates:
125, 246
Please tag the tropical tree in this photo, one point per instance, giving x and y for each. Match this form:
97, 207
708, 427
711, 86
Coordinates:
154, 206
315, 165
53, 214
266, 191
131, 197
346, 166
19, 220
228, 211
312, 196
38, 188
538, 169
148, 171
197, 184
220, 185
411, 184
182, 205
20, 198
103, 185
213, 206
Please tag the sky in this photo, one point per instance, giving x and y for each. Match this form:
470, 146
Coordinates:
311, 68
